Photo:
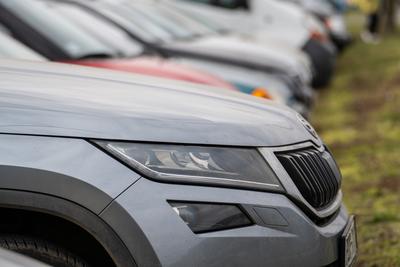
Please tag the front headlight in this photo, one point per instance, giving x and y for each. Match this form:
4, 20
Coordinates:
217, 166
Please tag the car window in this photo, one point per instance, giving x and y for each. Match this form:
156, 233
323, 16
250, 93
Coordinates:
136, 22
66, 35
205, 20
156, 23
101, 29
176, 23
12, 49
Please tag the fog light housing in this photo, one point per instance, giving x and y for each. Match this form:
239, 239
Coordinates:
206, 217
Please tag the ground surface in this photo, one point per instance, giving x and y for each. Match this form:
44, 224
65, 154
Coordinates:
359, 119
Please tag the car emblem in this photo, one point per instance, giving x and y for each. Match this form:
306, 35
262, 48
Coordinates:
308, 126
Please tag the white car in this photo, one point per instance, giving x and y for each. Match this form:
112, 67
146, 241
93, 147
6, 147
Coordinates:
283, 23
333, 20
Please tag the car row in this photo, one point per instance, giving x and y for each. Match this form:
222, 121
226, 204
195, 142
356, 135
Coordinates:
168, 133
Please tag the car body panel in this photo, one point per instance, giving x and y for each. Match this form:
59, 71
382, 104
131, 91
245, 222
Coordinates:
38, 99
257, 245
38, 164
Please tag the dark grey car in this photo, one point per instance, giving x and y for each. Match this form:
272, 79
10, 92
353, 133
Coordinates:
120, 170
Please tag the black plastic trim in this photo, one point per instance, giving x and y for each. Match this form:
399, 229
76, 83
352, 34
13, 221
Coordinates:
74, 213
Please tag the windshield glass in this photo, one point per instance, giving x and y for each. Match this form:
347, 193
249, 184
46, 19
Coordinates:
71, 39
158, 22
205, 20
174, 22
12, 49
106, 32
136, 22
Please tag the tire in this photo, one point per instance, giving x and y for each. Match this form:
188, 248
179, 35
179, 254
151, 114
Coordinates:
323, 59
41, 250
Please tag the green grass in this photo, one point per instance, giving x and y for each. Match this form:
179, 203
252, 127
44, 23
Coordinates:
359, 119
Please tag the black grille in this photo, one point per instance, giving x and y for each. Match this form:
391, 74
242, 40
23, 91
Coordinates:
315, 174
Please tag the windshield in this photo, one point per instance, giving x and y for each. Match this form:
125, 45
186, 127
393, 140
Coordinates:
70, 38
174, 22
158, 22
12, 49
135, 21
106, 32
205, 20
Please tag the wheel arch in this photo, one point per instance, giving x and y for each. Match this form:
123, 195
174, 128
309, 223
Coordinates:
71, 213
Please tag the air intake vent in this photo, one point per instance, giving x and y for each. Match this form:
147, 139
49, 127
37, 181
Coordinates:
315, 174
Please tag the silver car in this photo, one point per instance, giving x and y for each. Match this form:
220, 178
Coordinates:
101, 168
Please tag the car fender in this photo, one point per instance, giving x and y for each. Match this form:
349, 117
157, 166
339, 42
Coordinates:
74, 213
69, 168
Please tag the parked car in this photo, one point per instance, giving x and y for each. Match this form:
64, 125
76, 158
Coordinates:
282, 21
12, 49
42, 29
175, 35
280, 89
124, 170
332, 19
97, 26
119, 50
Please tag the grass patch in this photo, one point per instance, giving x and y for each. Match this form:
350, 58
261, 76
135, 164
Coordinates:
359, 118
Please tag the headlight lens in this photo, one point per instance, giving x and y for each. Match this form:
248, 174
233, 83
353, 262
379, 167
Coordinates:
224, 166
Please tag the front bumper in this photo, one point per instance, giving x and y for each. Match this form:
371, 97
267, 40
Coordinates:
296, 242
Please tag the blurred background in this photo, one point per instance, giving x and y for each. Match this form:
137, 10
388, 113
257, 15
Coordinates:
359, 118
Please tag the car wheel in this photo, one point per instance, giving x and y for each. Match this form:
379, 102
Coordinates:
41, 250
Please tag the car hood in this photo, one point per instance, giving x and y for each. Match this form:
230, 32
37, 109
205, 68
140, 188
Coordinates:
62, 100
237, 50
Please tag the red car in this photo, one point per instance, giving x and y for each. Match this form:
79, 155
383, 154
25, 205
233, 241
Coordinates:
156, 67
153, 66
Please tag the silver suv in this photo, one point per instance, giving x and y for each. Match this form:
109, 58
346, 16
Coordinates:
101, 168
